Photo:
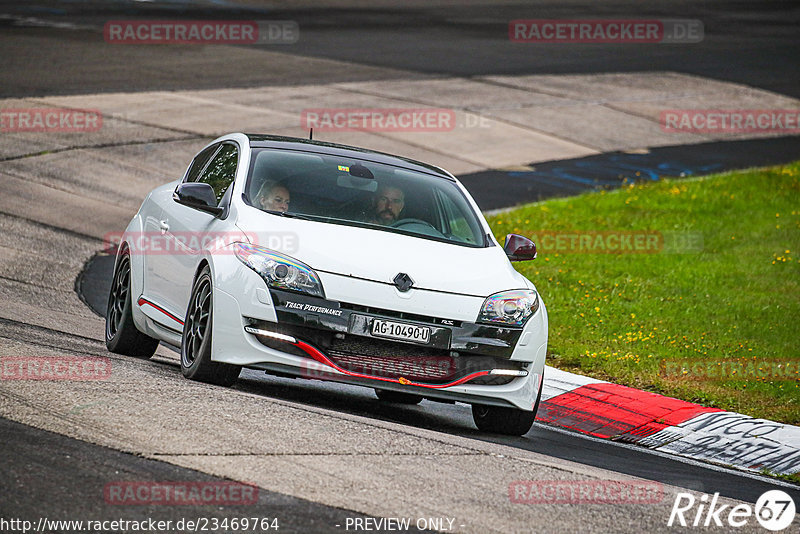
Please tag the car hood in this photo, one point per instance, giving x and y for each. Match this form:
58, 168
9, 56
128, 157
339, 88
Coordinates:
379, 255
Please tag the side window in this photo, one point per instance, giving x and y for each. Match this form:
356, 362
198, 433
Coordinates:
221, 172
199, 162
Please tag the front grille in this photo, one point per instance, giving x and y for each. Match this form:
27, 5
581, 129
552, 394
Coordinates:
421, 368
388, 359
377, 347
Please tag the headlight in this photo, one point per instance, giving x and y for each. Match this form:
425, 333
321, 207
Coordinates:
509, 307
280, 271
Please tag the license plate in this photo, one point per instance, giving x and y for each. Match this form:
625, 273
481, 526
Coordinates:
404, 331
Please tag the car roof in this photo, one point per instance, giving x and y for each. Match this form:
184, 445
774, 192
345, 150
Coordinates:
335, 149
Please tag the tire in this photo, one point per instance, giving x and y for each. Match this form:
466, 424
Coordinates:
122, 337
196, 361
502, 420
509, 421
397, 397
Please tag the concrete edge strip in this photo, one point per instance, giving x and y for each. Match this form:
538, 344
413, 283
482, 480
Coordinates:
620, 413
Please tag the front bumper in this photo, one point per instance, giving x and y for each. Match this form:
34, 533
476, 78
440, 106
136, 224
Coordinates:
331, 340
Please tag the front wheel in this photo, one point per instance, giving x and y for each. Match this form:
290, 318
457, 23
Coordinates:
502, 420
122, 336
510, 421
196, 361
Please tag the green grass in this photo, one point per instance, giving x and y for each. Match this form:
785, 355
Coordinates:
618, 316
794, 477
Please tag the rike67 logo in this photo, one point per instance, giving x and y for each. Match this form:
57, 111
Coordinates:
774, 510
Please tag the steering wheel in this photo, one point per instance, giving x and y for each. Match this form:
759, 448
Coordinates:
404, 222
424, 227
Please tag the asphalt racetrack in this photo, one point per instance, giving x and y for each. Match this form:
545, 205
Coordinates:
321, 454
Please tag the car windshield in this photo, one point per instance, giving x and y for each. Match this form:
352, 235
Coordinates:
345, 190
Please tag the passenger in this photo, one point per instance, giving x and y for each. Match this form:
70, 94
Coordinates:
273, 196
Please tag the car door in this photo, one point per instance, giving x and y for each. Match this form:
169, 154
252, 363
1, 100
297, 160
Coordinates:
189, 230
156, 261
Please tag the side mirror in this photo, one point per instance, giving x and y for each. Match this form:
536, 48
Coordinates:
197, 195
519, 248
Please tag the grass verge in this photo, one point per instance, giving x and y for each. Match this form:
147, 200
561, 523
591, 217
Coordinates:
708, 312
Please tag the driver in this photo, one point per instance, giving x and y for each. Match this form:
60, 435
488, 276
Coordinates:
387, 204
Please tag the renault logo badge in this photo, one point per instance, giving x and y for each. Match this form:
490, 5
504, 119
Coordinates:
403, 282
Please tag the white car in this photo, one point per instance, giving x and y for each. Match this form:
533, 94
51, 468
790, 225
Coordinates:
323, 261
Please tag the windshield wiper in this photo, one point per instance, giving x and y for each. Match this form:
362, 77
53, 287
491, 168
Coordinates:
287, 214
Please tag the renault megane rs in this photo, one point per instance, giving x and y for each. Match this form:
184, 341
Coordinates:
314, 260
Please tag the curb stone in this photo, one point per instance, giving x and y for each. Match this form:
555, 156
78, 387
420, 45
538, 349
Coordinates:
621, 413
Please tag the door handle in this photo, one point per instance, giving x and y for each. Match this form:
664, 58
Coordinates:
164, 225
